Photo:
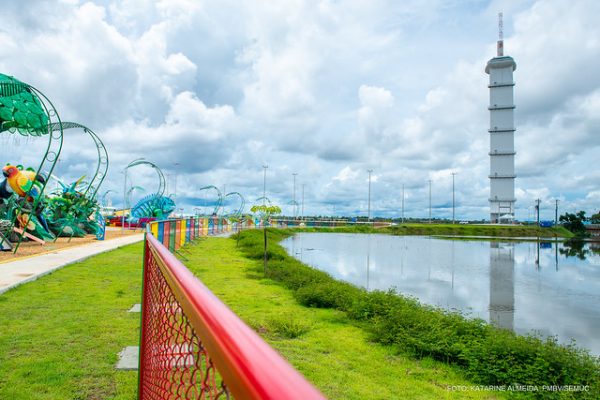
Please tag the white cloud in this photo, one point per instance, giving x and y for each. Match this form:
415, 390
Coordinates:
325, 89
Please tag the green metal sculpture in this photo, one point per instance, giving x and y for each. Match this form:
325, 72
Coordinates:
25, 110
219, 202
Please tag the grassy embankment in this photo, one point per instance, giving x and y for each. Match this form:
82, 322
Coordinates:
485, 354
327, 346
60, 335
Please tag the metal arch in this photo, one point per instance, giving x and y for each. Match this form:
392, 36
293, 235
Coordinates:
220, 199
103, 198
161, 176
242, 204
101, 168
264, 198
55, 142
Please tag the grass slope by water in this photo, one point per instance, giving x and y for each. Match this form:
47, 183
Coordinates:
60, 335
325, 345
487, 355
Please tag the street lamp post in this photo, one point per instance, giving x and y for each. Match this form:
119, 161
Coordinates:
175, 181
303, 185
454, 173
403, 203
430, 201
264, 183
294, 196
369, 201
124, 200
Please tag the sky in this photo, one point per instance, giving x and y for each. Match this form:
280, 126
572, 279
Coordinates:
210, 91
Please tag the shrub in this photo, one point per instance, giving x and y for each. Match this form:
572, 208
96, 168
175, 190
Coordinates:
488, 355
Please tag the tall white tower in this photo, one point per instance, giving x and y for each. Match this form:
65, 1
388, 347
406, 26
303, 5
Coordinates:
502, 134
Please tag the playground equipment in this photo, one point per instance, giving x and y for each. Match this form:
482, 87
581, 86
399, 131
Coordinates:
103, 197
240, 210
74, 211
95, 182
153, 206
156, 204
219, 202
28, 112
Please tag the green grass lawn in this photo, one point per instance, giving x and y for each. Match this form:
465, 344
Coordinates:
324, 345
60, 335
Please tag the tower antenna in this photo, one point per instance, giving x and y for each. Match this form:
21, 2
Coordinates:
500, 46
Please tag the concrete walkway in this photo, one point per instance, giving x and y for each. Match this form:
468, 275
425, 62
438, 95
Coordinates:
28, 269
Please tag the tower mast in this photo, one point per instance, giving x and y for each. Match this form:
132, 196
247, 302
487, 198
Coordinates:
500, 44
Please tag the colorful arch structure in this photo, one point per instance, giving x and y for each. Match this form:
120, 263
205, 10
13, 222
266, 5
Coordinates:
155, 204
219, 198
102, 165
27, 111
240, 210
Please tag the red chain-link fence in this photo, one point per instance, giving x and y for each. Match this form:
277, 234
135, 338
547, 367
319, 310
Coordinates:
194, 347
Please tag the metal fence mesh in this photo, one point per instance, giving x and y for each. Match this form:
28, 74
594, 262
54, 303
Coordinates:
174, 363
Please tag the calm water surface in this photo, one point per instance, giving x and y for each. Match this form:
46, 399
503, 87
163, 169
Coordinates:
544, 287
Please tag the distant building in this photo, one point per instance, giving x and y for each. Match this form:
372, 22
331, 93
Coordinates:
502, 136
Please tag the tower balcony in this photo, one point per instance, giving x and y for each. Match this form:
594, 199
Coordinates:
502, 176
497, 107
503, 200
501, 130
502, 153
505, 84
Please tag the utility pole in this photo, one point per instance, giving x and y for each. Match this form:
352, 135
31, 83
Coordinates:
175, 183
454, 173
265, 183
537, 208
303, 185
430, 201
294, 196
124, 200
369, 201
403, 203
556, 212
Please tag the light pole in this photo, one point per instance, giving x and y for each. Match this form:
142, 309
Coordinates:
429, 201
454, 173
369, 202
264, 182
303, 185
124, 200
175, 182
403, 203
294, 195
555, 211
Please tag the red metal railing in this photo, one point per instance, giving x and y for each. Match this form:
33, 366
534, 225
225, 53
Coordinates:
194, 347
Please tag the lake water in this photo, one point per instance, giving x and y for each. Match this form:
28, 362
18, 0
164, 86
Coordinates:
547, 287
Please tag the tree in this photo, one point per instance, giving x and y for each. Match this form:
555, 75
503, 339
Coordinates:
265, 213
595, 218
574, 222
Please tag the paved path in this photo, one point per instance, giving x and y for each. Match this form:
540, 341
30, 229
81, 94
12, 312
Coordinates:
17, 272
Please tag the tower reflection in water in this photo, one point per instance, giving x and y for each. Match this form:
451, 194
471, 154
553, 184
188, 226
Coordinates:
502, 285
